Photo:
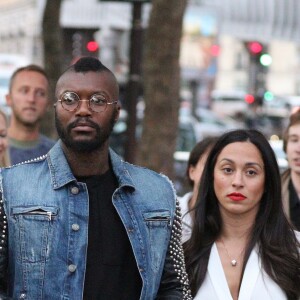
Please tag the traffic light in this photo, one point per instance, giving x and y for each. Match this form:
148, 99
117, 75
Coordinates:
215, 50
265, 59
82, 43
268, 96
92, 46
259, 54
249, 98
77, 44
255, 48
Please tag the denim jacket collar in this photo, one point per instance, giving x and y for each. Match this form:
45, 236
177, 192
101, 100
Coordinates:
61, 173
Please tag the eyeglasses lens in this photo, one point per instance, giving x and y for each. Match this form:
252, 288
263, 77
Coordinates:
69, 101
98, 103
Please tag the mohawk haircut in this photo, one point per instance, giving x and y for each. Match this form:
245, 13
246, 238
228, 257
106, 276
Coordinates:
90, 64
87, 64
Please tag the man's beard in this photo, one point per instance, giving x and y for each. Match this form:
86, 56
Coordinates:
96, 143
28, 124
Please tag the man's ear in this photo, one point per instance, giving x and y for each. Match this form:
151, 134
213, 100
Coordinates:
117, 115
8, 99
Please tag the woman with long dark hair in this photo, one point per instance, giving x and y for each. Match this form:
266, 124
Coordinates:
195, 165
242, 246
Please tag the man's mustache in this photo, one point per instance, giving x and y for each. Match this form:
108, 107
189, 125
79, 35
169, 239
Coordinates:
86, 121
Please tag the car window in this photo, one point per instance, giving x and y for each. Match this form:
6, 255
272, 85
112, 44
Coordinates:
186, 138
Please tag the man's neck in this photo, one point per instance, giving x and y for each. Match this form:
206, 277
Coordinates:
296, 181
87, 164
21, 132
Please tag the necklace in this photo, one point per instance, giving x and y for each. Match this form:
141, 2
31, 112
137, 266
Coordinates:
233, 261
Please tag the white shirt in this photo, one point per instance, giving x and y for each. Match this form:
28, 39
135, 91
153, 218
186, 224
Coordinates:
256, 284
187, 221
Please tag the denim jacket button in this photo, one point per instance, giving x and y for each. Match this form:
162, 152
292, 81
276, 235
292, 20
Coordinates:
72, 268
74, 190
23, 296
75, 227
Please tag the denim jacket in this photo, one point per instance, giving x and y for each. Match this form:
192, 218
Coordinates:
47, 213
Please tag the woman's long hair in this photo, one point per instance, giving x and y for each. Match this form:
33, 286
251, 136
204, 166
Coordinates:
271, 231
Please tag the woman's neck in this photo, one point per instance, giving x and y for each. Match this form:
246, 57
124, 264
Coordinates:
237, 228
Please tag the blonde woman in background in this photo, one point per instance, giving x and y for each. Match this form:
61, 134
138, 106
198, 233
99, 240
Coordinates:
4, 156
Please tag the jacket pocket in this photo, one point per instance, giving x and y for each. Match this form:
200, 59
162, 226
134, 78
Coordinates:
33, 231
158, 226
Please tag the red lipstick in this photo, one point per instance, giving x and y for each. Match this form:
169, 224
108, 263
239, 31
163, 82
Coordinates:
236, 196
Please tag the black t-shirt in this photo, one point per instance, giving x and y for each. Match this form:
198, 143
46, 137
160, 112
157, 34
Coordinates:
294, 206
111, 270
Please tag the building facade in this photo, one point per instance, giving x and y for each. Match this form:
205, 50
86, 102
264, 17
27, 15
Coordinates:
227, 24
273, 23
106, 23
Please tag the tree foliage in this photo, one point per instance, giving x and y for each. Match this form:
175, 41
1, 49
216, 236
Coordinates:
161, 76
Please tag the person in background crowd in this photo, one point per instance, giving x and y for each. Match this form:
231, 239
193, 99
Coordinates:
28, 99
4, 155
4, 162
82, 223
242, 245
195, 165
290, 178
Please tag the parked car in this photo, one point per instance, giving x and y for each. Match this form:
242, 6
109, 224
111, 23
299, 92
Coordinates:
279, 106
186, 137
205, 123
229, 103
211, 124
294, 102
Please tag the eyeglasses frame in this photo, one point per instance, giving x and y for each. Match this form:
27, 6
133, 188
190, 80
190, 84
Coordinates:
84, 100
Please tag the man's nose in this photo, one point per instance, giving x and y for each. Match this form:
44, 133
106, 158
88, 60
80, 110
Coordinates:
83, 108
31, 97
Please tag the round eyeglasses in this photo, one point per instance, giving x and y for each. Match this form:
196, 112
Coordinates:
97, 102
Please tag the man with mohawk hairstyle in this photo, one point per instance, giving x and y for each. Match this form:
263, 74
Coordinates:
82, 223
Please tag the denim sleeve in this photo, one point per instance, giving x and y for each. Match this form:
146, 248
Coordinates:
174, 283
3, 252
